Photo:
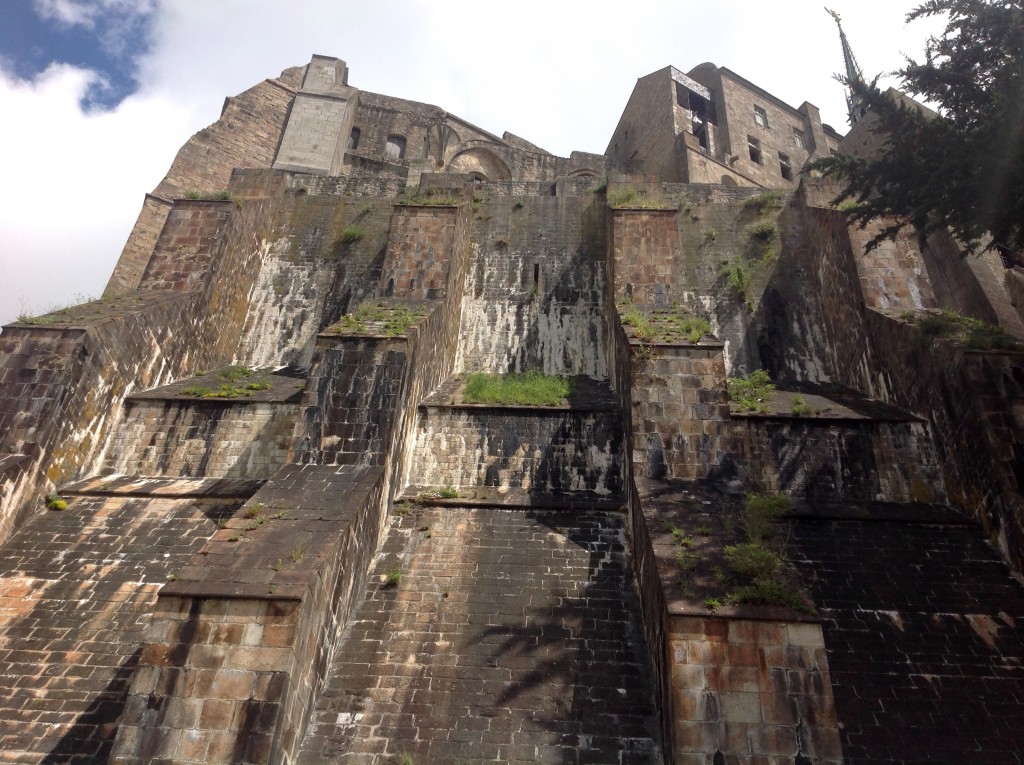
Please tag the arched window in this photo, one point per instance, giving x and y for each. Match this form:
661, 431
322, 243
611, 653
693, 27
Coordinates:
353, 139
395, 147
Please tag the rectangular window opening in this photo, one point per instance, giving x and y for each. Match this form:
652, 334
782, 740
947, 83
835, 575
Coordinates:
785, 167
760, 116
754, 146
798, 138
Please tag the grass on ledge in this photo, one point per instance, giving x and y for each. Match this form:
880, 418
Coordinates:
525, 388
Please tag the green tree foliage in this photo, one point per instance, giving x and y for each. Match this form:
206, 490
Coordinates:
965, 169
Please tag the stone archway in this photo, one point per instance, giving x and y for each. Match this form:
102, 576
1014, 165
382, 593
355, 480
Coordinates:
481, 162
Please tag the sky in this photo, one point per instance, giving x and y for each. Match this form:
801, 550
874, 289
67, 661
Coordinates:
96, 96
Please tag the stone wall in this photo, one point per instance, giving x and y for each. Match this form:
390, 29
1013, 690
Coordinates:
77, 591
420, 242
309, 276
538, 450
680, 411
967, 398
77, 365
535, 286
893, 276
208, 439
63, 385
351, 397
245, 135
645, 247
827, 459
189, 243
644, 140
749, 691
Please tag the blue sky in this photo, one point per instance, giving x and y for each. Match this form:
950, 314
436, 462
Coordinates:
104, 37
98, 95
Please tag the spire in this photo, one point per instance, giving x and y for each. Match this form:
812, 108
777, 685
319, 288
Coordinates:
853, 72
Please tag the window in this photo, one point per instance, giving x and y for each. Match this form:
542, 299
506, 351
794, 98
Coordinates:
353, 139
798, 138
760, 116
755, 149
784, 167
395, 147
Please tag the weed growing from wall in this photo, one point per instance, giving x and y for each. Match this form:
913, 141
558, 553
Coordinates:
751, 393
626, 197
674, 325
962, 330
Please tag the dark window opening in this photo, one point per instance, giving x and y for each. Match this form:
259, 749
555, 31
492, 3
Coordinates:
760, 116
754, 146
353, 139
784, 167
700, 130
798, 138
536, 278
395, 147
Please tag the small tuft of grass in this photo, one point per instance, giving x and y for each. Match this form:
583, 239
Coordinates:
753, 392
382, 317
963, 330
351, 234
521, 388
298, 554
759, 510
448, 492
56, 502
626, 197
737, 275
764, 202
763, 232
393, 578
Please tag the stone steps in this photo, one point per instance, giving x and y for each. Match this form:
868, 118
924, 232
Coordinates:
77, 589
511, 637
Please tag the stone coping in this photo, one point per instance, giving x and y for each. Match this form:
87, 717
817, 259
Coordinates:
286, 388
144, 486
275, 545
590, 395
702, 344
494, 497
744, 611
879, 512
827, 405
374, 326
86, 315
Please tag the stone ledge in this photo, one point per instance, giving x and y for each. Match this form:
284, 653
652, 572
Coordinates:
285, 389
143, 486
590, 395
489, 496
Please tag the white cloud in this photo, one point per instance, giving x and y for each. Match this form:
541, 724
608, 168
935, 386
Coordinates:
74, 183
556, 73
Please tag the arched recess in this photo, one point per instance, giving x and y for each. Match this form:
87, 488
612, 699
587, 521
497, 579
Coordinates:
441, 140
585, 173
482, 162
